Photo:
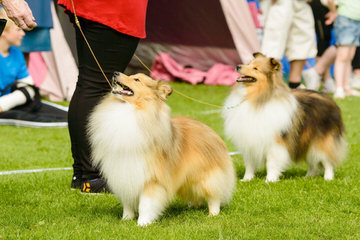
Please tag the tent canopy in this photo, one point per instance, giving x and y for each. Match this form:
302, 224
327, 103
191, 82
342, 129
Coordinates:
198, 33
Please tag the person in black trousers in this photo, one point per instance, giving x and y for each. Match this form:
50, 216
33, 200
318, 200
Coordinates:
114, 51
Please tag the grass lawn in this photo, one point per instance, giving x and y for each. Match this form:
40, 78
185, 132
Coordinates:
42, 206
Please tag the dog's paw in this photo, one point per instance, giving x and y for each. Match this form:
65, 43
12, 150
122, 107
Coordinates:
271, 179
128, 217
128, 214
247, 179
143, 222
328, 177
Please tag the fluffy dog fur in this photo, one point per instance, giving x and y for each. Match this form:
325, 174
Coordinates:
147, 156
271, 124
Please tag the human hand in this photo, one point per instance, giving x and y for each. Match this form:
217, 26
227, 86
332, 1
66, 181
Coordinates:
330, 17
20, 13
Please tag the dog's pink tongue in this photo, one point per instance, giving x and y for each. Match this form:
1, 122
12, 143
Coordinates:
126, 92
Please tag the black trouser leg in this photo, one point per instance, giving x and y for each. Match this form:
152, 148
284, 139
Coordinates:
114, 51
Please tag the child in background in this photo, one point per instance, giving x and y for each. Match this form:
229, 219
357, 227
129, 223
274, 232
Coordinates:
347, 34
290, 30
13, 68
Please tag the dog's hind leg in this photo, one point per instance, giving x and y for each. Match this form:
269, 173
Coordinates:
152, 203
313, 169
329, 170
318, 156
277, 160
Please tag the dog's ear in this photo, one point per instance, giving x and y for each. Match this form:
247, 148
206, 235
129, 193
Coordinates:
164, 90
257, 54
275, 64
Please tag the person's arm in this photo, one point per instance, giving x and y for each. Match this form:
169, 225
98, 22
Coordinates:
17, 97
332, 14
20, 13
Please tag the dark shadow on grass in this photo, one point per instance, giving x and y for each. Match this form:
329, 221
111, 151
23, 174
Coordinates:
177, 208
288, 174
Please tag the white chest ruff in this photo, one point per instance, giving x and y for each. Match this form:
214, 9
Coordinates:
118, 147
254, 130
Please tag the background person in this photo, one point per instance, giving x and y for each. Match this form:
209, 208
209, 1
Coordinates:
20, 13
13, 68
289, 29
347, 34
325, 55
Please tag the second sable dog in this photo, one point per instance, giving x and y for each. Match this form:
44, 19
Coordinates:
273, 125
147, 156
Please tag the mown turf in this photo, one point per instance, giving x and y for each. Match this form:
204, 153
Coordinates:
42, 206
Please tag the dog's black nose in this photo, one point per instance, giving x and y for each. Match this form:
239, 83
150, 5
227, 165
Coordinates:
117, 74
238, 67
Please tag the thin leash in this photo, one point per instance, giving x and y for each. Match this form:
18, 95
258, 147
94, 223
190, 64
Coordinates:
144, 65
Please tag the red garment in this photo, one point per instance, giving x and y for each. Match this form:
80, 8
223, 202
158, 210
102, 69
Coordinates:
125, 16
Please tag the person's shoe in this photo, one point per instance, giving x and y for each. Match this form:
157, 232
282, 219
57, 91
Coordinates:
355, 82
329, 86
352, 92
76, 182
94, 186
339, 93
312, 79
301, 86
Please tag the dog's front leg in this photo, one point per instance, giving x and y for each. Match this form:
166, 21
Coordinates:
250, 168
128, 212
277, 160
152, 203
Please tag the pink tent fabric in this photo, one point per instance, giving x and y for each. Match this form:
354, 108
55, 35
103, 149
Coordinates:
54, 72
221, 74
37, 68
166, 68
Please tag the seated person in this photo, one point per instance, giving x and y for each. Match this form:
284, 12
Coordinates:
13, 68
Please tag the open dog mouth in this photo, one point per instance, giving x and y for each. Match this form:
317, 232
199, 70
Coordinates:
122, 89
245, 78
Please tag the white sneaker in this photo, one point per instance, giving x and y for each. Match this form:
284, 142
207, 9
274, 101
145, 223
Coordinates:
329, 86
355, 82
352, 92
301, 86
312, 79
339, 93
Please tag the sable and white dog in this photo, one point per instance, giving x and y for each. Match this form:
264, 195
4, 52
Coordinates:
147, 156
271, 124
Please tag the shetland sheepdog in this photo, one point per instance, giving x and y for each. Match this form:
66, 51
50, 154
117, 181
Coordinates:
147, 157
274, 126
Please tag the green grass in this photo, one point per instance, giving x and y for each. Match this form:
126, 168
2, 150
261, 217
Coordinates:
42, 206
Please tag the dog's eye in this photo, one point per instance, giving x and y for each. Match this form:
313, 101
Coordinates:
136, 79
256, 68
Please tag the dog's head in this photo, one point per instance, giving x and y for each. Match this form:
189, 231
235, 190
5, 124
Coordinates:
139, 88
261, 70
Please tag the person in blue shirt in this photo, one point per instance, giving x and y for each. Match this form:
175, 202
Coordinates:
13, 67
